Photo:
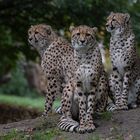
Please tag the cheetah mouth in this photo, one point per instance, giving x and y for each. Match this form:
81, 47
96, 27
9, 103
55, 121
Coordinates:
80, 47
31, 46
110, 29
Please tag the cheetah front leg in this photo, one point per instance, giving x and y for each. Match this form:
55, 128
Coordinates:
53, 88
126, 87
82, 111
91, 100
66, 101
102, 97
115, 85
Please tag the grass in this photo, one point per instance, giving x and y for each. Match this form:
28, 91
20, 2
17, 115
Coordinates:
26, 101
106, 116
95, 137
31, 135
22, 101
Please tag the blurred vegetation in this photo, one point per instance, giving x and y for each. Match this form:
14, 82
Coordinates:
37, 135
18, 84
37, 103
16, 16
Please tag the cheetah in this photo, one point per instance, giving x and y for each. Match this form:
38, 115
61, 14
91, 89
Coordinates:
56, 60
125, 78
87, 91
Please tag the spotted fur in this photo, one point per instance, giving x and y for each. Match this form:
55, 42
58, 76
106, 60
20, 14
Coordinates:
125, 78
87, 91
56, 60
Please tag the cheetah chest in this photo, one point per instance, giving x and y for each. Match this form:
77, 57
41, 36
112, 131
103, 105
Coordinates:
119, 60
83, 75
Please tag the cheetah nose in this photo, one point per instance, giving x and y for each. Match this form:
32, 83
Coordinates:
30, 39
36, 41
112, 28
82, 41
107, 25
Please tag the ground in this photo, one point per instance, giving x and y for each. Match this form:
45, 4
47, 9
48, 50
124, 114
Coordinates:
121, 125
10, 113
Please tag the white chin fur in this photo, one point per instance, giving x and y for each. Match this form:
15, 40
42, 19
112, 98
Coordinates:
117, 31
108, 29
77, 47
31, 43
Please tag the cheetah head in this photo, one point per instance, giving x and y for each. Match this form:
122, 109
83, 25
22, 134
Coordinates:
40, 36
83, 37
117, 23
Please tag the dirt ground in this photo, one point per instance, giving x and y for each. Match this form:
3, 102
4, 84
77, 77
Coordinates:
123, 125
9, 113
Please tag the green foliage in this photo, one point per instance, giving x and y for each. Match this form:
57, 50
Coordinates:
96, 137
24, 102
47, 135
17, 16
12, 135
106, 115
7, 52
18, 84
36, 135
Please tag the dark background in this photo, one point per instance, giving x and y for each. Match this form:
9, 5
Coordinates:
16, 16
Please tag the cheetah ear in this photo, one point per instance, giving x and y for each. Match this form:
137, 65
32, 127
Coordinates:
31, 26
95, 29
71, 28
48, 30
111, 13
127, 18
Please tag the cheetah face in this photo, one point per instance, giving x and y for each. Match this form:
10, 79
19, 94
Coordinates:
83, 37
39, 36
117, 23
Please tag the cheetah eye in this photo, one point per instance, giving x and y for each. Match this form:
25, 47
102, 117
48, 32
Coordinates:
29, 32
49, 32
87, 34
36, 32
78, 33
113, 19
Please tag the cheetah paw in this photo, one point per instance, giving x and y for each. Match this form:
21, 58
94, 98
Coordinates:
58, 110
124, 107
111, 107
81, 130
90, 128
